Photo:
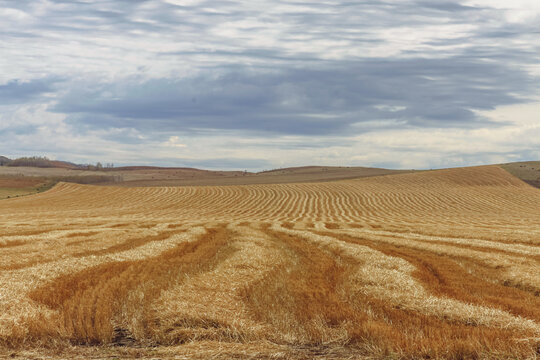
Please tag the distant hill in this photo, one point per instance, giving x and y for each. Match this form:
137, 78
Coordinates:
146, 167
56, 170
168, 176
4, 161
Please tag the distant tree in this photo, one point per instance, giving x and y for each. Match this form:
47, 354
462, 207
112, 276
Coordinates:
4, 161
35, 161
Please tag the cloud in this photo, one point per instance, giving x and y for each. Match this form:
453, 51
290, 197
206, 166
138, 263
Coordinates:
17, 92
276, 81
174, 141
327, 100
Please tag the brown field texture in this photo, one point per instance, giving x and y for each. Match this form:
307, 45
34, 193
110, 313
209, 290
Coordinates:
438, 264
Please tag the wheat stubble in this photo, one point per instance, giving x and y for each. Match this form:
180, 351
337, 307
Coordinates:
440, 264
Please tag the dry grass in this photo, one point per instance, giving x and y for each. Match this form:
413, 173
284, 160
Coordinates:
440, 264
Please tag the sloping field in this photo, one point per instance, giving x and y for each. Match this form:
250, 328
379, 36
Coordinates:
440, 264
13, 186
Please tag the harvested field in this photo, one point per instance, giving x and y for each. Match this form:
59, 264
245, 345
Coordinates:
438, 264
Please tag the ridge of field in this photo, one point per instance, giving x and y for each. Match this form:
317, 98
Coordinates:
438, 264
157, 176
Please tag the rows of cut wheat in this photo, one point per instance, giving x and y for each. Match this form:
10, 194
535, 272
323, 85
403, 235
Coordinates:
439, 264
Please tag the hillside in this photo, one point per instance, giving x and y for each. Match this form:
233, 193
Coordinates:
438, 264
528, 171
158, 176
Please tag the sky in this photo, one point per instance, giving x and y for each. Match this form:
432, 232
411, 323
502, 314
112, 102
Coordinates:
264, 84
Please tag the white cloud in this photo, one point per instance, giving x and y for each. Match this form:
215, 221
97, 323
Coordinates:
174, 141
516, 11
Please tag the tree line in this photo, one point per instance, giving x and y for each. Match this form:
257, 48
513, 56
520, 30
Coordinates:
45, 162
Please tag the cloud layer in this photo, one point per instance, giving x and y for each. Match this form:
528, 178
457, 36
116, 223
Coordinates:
270, 83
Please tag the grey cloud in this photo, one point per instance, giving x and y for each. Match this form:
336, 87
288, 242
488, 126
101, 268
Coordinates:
417, 92
330, 20
89, 18
446, 6
18, 92
18, 130
347, 24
